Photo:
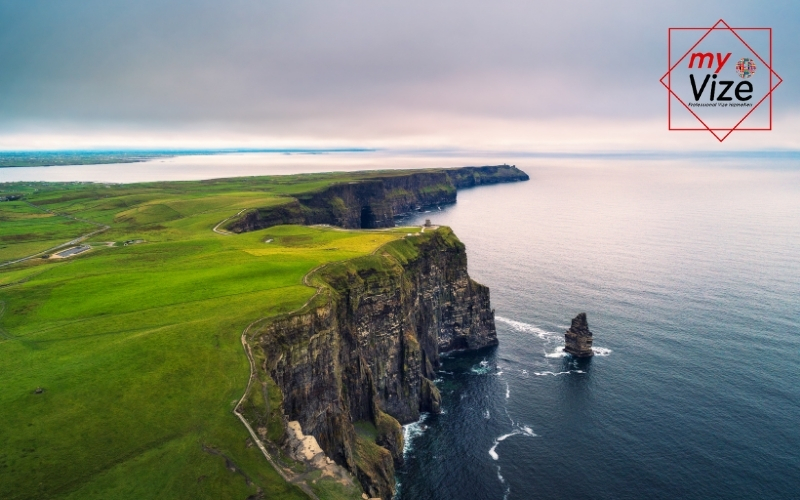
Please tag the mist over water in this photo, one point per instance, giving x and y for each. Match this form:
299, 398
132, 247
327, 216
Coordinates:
690, 276
215, 166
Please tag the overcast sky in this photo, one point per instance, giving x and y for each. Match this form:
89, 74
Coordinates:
522, 75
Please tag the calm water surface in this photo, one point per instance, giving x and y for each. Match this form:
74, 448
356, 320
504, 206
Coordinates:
690, 277
215, 166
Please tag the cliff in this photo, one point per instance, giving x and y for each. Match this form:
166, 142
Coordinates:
360, 358
374, 200
466, 177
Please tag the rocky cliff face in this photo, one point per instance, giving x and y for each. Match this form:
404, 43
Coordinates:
466, 177
374, 201
359, 361
578, 339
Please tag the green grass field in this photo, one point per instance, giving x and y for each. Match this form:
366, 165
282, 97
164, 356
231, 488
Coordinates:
137, 348
27, 230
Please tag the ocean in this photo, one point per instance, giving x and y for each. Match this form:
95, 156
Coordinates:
689, 273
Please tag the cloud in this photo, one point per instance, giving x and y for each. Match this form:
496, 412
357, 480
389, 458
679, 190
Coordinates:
346, 71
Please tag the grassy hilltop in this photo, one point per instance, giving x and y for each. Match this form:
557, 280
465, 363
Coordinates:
137, 347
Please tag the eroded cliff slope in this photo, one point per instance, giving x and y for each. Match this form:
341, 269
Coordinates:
374, 201
359, 360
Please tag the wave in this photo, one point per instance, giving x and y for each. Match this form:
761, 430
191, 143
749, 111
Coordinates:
481, 368
411, 431
497, 441
526, 327
522, 430
502, 481
555, 374
558, 353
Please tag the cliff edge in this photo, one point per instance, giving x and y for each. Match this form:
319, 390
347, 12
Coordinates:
373, 199
359, 360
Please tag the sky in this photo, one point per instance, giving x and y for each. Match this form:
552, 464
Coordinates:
463, 75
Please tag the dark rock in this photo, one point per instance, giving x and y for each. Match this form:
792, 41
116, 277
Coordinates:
39, 390
466, 177
578, 338
370, 352
374, 202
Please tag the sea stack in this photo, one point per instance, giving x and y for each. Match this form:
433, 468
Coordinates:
578, 338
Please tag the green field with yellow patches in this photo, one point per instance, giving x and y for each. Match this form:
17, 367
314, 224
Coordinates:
136, 348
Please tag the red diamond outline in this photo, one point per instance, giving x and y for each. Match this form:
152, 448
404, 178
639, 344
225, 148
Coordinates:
667, 75
669, 103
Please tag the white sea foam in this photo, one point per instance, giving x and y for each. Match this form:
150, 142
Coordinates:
508, 391
558, 353
503, 481
523, 430
411, 431
481, 368
499, 373
524, 372
601, 351
486, 414
526, 327
555, 374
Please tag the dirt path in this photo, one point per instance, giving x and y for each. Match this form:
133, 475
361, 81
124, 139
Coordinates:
75, 241
222, 231
288, 476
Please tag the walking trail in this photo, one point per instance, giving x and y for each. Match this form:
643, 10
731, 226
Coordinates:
287, 475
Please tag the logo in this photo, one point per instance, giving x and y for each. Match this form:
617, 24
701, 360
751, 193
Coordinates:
720, 79
746, 67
